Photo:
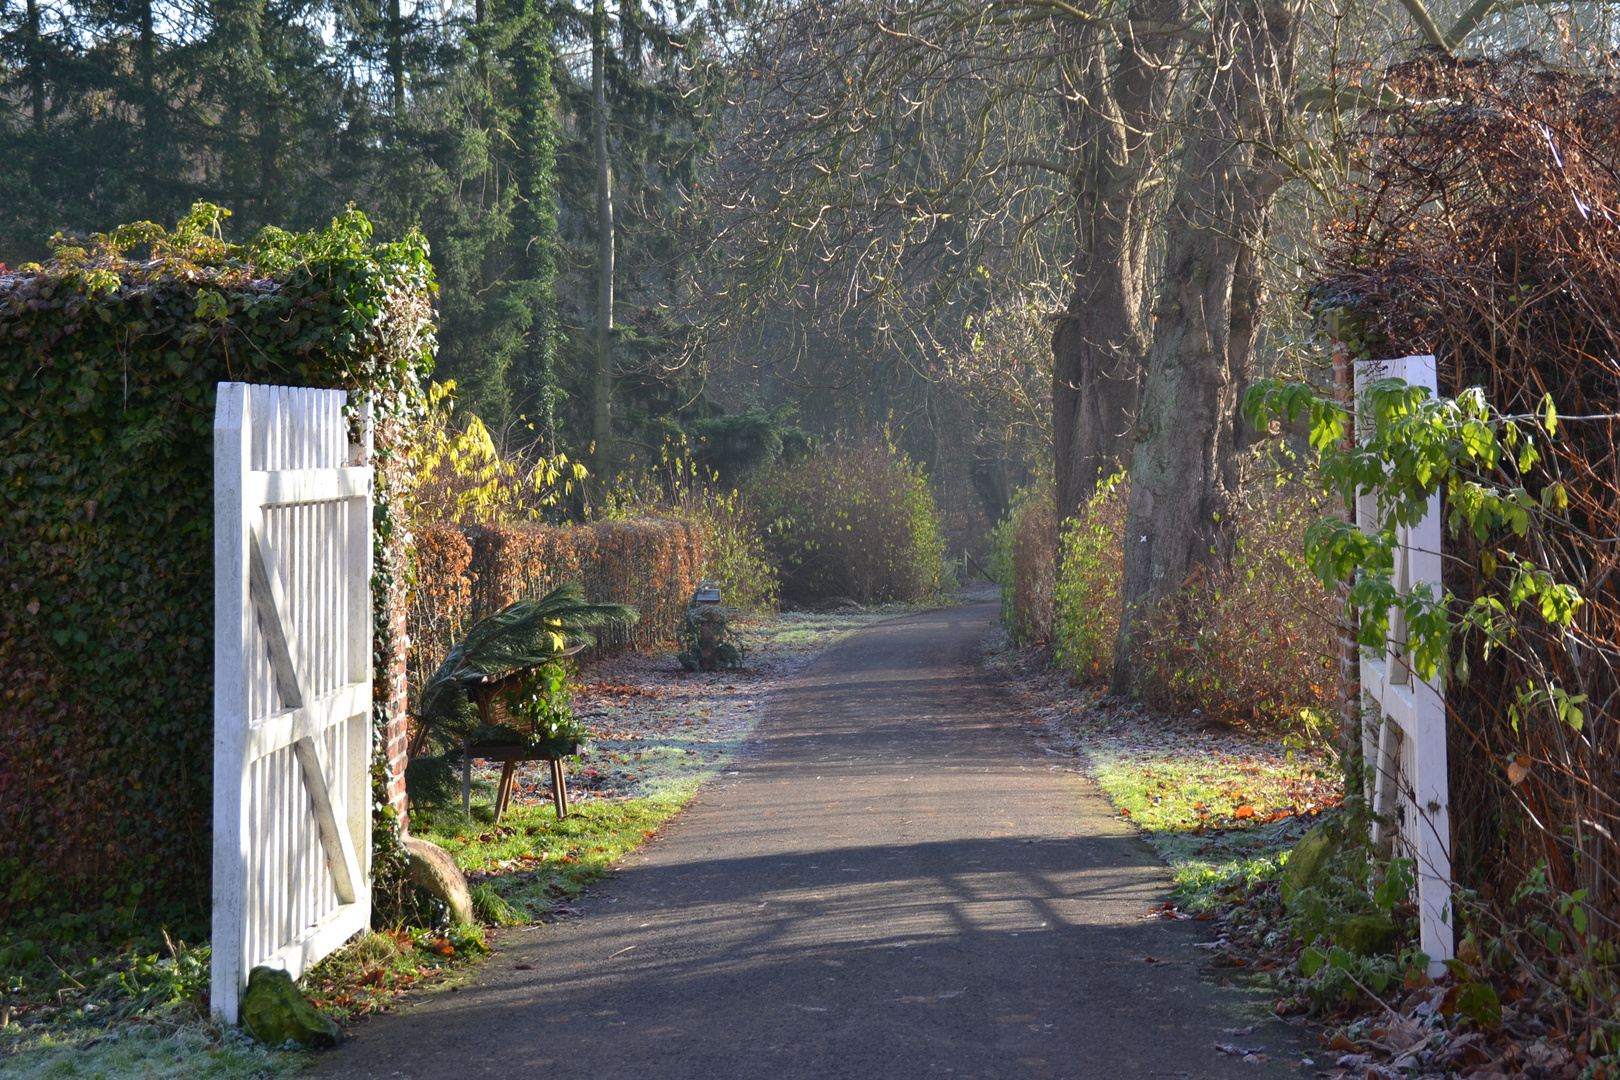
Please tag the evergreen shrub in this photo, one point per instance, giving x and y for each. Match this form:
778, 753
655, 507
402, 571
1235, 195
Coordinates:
110, 354
856, 522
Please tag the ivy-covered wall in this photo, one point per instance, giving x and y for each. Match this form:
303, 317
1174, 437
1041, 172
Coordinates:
109, 358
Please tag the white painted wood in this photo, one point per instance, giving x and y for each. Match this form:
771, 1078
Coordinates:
281, 729
285, 487
1404, 717
292, 701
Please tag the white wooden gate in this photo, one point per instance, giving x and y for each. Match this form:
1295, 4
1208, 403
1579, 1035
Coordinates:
1403, 734
292, 681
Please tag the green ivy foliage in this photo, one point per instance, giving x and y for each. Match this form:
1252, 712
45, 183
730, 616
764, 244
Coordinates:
110, 355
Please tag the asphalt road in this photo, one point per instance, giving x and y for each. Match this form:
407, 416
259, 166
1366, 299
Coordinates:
894, 882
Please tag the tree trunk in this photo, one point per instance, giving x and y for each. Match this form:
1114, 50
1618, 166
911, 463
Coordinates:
1099, 342
148, 57
1186, 463
535, 135
601, 427
269, 127
36, 66
396, 58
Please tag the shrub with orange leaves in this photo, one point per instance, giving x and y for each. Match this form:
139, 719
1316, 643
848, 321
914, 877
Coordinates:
1248, 643
465, 572
1252, 642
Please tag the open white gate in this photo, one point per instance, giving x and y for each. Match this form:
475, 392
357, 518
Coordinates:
1403, 733
292, 681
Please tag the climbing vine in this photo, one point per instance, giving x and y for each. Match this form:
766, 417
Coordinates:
1486, 463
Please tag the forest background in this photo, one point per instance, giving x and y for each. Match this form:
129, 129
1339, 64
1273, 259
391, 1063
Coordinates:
1032, 245
475, 123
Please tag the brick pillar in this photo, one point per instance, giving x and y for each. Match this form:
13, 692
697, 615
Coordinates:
391, 649
396, 730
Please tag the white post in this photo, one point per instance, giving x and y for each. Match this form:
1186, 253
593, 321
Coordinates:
233, 624
358, 660
1404, 735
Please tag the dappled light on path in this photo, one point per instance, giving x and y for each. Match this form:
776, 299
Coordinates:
890, 880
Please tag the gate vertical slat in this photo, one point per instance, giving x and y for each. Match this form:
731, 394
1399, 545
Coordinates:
1404, 730
293, 681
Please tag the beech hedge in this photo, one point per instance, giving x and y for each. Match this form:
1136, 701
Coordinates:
110, 354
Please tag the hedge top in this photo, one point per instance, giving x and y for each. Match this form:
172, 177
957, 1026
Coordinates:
349, 312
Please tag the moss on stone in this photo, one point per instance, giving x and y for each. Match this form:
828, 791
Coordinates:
274, 1012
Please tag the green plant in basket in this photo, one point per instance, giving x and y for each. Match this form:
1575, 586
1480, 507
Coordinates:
524, 634
540, 713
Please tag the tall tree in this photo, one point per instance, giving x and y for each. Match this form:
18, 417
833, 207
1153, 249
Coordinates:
1184, 469
494, 226
601, 417
635, 138
1115, 113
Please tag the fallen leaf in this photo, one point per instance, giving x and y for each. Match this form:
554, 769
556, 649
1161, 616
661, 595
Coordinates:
1549, 1058
1233, 1050
1244, 811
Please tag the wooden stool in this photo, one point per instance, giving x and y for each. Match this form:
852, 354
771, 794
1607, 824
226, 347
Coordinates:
509, 754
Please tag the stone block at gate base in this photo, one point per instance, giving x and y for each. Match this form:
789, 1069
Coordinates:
1308, 862
433, 869
275, 1012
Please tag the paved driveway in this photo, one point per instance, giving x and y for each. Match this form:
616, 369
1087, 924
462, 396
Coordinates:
893, 883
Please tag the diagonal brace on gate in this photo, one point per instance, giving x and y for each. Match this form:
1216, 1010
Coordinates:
269, 601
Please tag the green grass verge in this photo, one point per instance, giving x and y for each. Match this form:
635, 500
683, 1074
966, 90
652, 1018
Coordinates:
1213, 815
534, 863
148, 1052
809, 632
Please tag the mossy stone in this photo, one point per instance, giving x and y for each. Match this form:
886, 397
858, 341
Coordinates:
1308, 862
1367, 935
274, 1012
